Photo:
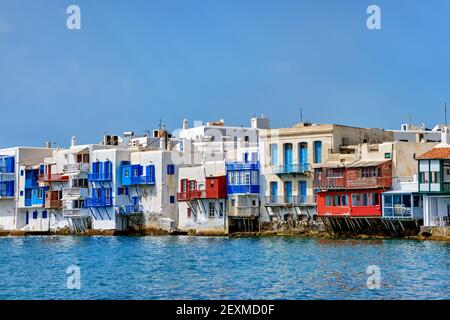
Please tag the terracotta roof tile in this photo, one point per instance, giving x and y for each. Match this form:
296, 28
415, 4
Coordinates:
436, 153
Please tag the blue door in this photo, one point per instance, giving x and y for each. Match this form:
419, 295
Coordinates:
273, 192
302, 191
317, 151
287, 157
303, 156
288, 191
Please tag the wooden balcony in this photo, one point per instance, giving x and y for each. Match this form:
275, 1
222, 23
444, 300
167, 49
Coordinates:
54, 177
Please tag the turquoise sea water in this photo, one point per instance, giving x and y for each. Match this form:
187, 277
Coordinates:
221, 268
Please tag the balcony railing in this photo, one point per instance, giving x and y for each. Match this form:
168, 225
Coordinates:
6, 194
31, 183
131, 209
74, 193
55, 177
289, 200
238, 189
72, 213
99, 202
142, 180
53, 204
100, 177
244, 211
76, 167
302, 168
321, 182
191, 195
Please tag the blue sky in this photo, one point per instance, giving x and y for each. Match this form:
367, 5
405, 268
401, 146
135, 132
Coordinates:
134, 62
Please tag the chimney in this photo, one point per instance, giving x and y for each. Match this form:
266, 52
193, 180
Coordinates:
73, 142
445, 136
185, 124
48, 144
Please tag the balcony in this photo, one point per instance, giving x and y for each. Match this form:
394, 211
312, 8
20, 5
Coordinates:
53, 204
329, 183
6, 194
142, 180
302, 168
290, 201
72, 213
243, 189
131, 209
55, 177
74, 193
191, 195
369, 182
100, 177
76, 167
99, 202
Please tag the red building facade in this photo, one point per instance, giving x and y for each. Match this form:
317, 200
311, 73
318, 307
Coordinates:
352, 190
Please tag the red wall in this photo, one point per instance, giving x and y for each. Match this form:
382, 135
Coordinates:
349, 210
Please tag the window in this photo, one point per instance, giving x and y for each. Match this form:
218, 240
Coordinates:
374, 199
233, 202
211, 210
44, 214
21, 193
136, 172
387, 155
254, 203
170, 169
247, 178
35, 215
21, 173
336, 200
127, 173
189, 212
221, 209
317, 151
172, 199
359, 199
40, 193
274, 154
425, 177
435, 177
344, 200
328, 201
255, 179
122, 190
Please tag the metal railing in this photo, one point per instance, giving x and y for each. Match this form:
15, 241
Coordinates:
289, 200
131, 209
143, 180
74, 192
100, 176
76, 167
291, 169
440, 221
99, 202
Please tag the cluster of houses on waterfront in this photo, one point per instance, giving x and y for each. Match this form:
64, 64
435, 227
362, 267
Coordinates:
216, 178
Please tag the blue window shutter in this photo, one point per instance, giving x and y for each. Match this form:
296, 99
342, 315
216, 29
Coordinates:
44, 214
172, 199
35, 214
